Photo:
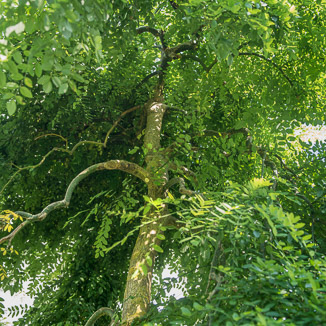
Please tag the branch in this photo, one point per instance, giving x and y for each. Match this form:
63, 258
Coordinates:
121, 165
269, 60
118, 120
98, 314
172, 53
155, 32
182, 186
184, 170
148, 77
194, 58
66, 150
174, 5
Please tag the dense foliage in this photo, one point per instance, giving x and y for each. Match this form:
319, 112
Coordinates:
217, 186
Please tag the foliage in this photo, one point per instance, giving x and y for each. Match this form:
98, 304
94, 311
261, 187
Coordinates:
218, 186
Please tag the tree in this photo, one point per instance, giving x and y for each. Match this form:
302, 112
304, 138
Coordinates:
191, 106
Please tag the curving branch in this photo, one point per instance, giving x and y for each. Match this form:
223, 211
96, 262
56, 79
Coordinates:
182, 186
148, 77
195, 58
54, 135
98, 314
173, 53
66, 149
273, 63
121, 165
118, 120
154, 31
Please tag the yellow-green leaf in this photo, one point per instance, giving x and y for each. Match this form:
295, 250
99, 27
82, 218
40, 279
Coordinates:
158, 248
26, 92
28, 82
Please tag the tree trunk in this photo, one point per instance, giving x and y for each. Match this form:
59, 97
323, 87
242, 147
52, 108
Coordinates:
137, 295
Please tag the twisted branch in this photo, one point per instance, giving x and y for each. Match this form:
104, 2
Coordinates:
66, 150
121, 165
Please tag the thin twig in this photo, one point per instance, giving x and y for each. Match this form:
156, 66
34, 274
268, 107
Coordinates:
55, 135
269, 60
118, 120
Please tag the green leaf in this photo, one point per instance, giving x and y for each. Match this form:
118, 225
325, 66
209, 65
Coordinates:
198, 307
3, 79
56, 81
47, 87
134, 150
160, 236
72, 85
144, 269
44, 79
11, 107
47, 62
7, 96
78, 77
38, 70
12, 67
18, 57
63, 88
26, 92
157, 248
149, 261
185, 311
17, 76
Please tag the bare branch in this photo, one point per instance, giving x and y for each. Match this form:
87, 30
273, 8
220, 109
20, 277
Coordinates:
122, 165
98, 314
269, 60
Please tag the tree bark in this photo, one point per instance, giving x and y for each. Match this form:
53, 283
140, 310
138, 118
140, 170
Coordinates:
137, 294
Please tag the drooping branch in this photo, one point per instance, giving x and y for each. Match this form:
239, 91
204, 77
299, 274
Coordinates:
121, 165
98, 314
270, 61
